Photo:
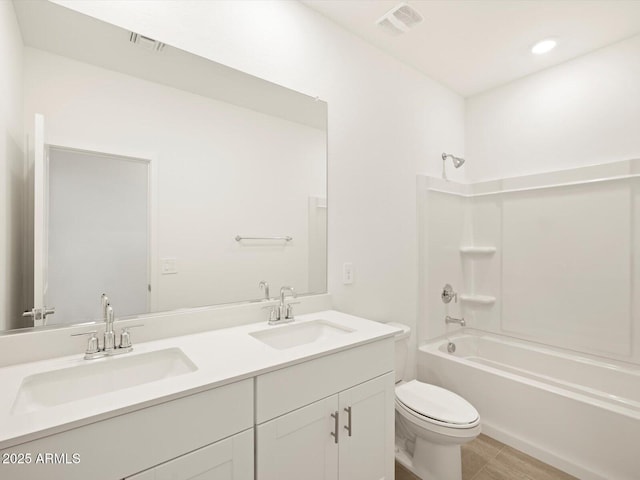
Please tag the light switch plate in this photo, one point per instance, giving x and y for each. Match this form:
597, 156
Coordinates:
347, 273
168, 266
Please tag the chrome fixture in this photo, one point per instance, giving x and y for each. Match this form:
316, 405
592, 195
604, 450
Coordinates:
109, 346
286, 311
104, 302
451, 347
457, 161
286, 239
459, 321
107, 317
39, 315
95, 351
109, 334
265, 286
283, 312
448, 294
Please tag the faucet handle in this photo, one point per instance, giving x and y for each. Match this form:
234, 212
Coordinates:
125, 336
448, 294
289, 312
93, 344
273, 313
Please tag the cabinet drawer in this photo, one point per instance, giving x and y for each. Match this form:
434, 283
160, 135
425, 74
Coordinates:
228, 459
293, 387
121, 446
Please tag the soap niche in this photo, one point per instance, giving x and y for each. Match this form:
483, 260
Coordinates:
478, 297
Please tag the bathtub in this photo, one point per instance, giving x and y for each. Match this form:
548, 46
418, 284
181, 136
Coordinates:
576, 412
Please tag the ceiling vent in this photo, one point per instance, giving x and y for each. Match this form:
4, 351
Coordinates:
147, 43
399, 19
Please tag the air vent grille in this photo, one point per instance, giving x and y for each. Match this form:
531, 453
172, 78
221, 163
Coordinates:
400, 19
147, 43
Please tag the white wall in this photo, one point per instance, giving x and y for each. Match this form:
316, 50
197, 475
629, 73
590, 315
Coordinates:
220, 171
386, 122
582, 112
12, 196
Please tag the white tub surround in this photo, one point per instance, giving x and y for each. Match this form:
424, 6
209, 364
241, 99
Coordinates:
533, 257
335, 358
577, 412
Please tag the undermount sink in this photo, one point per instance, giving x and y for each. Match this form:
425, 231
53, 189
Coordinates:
296, 334
106, 375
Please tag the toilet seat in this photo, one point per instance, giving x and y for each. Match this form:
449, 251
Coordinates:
421, 402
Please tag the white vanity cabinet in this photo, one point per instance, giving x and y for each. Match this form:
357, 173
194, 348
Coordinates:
220, 420
323, 409
329, 418
228, 459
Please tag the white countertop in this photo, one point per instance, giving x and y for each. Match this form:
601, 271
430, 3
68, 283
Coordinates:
222, 356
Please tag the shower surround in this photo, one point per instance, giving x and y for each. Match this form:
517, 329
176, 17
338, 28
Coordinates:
551, 258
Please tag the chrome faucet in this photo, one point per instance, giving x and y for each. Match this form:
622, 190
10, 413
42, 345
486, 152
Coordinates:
104, 301
265, 286
459, 321
109, 346
283, 312
109, 334
107, 316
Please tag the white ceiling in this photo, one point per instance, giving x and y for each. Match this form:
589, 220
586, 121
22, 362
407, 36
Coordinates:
472, 46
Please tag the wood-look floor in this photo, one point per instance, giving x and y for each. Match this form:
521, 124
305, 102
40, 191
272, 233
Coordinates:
487, 459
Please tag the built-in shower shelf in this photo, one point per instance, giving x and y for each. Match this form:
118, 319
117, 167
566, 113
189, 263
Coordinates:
478, 299
478, 250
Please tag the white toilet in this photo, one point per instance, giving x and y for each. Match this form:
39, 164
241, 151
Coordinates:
431, 423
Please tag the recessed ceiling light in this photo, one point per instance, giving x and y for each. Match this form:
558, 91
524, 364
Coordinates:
543, 47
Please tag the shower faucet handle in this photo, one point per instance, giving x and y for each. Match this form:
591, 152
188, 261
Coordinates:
448, 294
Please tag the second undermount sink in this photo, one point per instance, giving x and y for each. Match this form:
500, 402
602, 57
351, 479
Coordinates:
296, 334
96, 377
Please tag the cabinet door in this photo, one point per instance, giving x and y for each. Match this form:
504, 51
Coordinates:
367, 430
300, 445
229, 459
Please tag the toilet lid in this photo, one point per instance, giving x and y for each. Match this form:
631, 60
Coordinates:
436, 403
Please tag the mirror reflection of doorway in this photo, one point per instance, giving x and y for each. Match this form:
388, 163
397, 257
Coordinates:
98, 235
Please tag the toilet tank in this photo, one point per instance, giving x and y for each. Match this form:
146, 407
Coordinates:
402, 348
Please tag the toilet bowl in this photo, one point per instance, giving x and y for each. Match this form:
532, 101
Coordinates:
431, 423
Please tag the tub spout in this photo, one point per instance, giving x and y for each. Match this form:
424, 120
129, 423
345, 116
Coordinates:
460, 321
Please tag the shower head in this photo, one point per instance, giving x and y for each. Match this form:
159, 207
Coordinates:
457, 161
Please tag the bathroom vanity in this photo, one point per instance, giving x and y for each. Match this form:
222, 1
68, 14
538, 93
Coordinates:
311, 399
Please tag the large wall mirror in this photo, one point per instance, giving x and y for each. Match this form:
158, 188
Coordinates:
168, 181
